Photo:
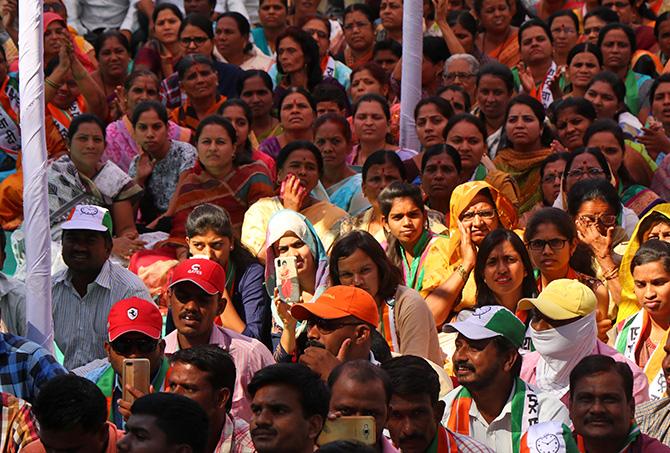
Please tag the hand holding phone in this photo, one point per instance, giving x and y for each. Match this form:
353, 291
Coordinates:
135, 374
286, 275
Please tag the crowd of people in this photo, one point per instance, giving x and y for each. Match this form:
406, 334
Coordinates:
228, 200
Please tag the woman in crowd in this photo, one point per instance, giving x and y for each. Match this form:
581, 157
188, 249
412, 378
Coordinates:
642, 336
495, 88
369, 78
476, 209
231, 38
297, 62
538, 74
571, 116
498, 38
564, 27
272, 15
198, 79
161, 53
161, 161
528, 141
359, 35
607, 93
209, 232
291, 234
390, 13
440, 169
318, 27
406, 323
240, 116
551, 176
121, 146
255, 89
654, 225
112, 50
332, 136
584, 62
655, 137
299, 167
296, 116
55, 35
467, 134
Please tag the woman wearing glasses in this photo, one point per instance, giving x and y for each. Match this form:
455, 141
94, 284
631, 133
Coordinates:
564, 27
359, 35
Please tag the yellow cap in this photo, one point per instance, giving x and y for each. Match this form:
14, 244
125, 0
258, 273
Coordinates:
562, 299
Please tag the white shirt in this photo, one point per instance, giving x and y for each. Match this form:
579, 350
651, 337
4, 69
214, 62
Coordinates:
88, 15
498, 434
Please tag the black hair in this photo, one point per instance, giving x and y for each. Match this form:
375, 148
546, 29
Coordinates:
554, 157
382, 157
363, 372
361, 8
283, 2
436, 150
86, 118
251, 73
295, 146
443, 106
478, 4
188, 61
341, 122
663, 78
652, 251
106, 36
435, 49
314, 394
217, 363
240, 158
505, 346
147, 106
499, 71
142, 72
536, 106
593, 189
163, 6
67, 402
605, 14
595, 364
389, 275
650, 220
464, 19
199, 21
346, 446
321, 18
3, 240
596, 153
181, 419
244, 157
630, 34
376, 71
605, 125
388, 44
294, 90
411, 375
242, 25
310, 50
372, 97
614, 82
564, 13
465, 118
458, 89
585, 47
51, 66
581, 106
534, 23
398, 189
659, 20
330, 92
485, 295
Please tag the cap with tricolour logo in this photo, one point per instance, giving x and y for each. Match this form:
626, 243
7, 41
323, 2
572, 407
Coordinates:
488, 322
89, 217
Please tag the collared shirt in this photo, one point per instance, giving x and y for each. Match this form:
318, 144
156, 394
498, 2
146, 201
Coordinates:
80, 323
88, 15
12, 306
249, 356
235, 437
653, 418
115, 435
18, 426
498, 434
25, 367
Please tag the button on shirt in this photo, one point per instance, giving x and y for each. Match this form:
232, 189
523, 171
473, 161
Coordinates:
498, 434
80, 323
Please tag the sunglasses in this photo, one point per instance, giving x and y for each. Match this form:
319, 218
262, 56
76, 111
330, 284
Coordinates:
125, 347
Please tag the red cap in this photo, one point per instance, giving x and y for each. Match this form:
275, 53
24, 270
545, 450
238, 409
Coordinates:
338, 302
134, 315
207, 274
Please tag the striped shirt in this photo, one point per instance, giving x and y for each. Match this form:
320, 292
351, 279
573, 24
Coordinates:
80, 323
653, 418
18, 426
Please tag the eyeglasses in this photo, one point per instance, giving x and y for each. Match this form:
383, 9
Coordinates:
589, 172
484, 214
197, 40
451, 76
539, 244
351, 25
326, 326
125, 347
605, 220
551, 177
319, 33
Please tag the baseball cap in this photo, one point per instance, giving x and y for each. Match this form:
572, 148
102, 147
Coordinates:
207, 274
134, 315
562, 299
89, 217
488, 322
338, 302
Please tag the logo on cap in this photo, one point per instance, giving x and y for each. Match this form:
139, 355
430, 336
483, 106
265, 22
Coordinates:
89, 210
482, 311
132, 313
195, 269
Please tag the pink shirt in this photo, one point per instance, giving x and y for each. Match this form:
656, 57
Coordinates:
249, 355
640, 382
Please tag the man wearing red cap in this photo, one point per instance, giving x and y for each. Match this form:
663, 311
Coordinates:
339, 328
197, 299
134, 327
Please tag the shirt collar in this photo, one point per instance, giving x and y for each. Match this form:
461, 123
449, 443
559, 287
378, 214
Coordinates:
103, 279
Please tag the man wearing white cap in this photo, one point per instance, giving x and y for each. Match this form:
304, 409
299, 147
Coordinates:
492, 404
564, 331
84, 293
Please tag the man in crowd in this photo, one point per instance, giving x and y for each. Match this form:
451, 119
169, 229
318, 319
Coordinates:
197, 299
18, 426
290, 406
72, 412
85, 292
206, 374
339, 327
415, 411
165, 422
492, 404
653, 417
360, 388
564, 331
387, 53
602, 408
134, 330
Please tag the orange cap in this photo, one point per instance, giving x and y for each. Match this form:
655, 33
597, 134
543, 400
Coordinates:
338, 302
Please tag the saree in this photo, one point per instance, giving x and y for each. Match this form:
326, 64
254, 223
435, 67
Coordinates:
186, 116
628, 304
524, 167
507, 53
639, 198
341, 193
634, 82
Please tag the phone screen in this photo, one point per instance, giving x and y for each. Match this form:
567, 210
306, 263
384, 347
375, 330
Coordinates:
286, 275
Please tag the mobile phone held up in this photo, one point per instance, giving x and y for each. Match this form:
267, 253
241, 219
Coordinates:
286, 275
135, 374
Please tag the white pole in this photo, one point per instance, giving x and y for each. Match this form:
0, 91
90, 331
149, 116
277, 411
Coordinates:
410, 85
35, 200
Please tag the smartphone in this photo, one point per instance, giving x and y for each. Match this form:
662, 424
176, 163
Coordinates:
135, 374
286, 275
357, 428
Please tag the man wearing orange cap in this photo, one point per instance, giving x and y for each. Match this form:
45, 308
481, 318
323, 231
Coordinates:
339, 328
